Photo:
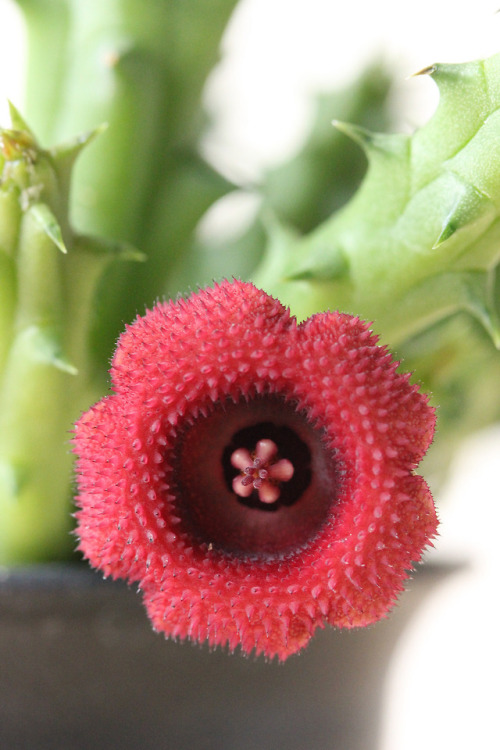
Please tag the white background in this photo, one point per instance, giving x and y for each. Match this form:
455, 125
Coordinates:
277, 53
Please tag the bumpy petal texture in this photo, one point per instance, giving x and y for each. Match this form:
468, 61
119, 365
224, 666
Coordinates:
254, 476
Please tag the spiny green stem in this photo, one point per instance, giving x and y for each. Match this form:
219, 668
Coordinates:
48, 278
139, 67
419, 241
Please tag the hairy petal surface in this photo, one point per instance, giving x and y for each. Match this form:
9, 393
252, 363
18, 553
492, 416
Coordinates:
196, 381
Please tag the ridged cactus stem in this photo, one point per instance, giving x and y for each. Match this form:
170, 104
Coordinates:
10, 214
48, 276
420, 239
140, 67
34, 397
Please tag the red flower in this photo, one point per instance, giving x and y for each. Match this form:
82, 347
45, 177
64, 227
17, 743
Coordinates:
255, 476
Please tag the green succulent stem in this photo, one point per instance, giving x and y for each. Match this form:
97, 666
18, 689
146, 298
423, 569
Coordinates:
48, 277
132, 73
139, 67
419, 240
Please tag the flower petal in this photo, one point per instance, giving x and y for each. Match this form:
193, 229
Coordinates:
225, 383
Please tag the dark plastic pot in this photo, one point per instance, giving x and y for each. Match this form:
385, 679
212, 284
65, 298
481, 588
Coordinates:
81, 669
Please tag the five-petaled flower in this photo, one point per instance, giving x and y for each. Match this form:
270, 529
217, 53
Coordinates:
253, 475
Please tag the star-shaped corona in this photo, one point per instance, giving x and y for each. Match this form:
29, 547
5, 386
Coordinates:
260, 471
254, 476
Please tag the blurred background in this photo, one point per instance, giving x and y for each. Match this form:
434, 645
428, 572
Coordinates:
277, 55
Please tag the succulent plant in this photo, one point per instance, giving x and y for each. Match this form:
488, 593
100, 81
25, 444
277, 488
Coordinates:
415, 250
47, 284
418, 241
140, 67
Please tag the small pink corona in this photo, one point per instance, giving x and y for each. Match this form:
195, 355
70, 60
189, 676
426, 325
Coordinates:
260, 471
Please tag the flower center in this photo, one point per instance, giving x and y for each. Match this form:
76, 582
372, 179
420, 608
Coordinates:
261, 471
253, 478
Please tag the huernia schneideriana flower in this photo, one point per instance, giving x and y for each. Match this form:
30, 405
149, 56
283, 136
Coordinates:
253, 475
